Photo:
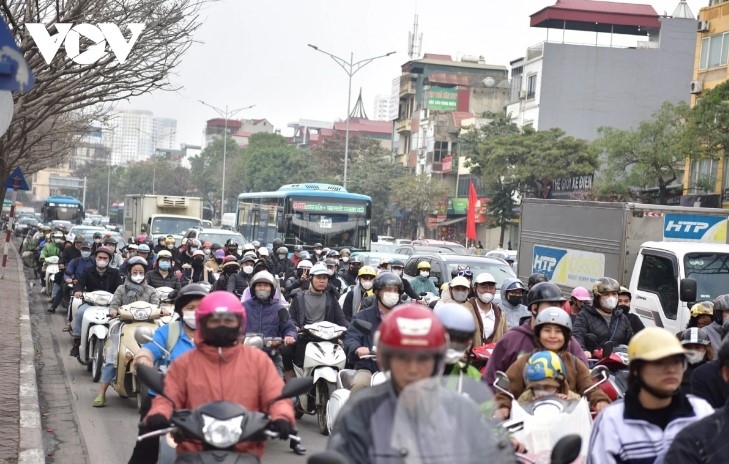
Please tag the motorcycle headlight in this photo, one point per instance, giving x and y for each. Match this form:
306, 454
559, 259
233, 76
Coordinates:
327, 333
142, 314
222, 433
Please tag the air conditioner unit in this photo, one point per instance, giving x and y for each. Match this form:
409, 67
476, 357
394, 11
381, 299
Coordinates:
522, 94
696, 86
703, 26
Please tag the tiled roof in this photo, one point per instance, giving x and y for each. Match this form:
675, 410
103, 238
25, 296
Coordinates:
596, 12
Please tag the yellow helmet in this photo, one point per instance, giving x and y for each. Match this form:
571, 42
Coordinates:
367, 270
423, 265
702, 308
652, 344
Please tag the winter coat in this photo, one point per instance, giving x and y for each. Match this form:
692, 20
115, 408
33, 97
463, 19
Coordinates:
499, 323
50, 249
239, 373
191, 275
268, 318
129, 292
422, 284
512, 314
155, 279
703, 442
686, 380
332, 311
69, 254
355, 338
516, 342
706, 383
92, 280
590, 321
353, 301
78, 266
715, 333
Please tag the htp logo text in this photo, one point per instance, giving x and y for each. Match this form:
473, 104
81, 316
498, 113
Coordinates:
70, 35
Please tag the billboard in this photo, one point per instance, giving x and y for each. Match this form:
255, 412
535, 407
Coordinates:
571, 268
442, 99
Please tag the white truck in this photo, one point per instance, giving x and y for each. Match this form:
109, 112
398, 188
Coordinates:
668, 256
161, 215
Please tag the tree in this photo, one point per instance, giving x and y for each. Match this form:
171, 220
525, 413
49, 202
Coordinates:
207, 172
375, 179
650, 155
168, 178
68, 97
329, 156
271, 162
418, 195
100, 180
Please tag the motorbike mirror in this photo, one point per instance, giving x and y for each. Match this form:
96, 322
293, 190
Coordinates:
364, 326
501, 383
566, 449
590, 341
327, 457
607, 349
254, 341
142, 335
153, 379
294, 387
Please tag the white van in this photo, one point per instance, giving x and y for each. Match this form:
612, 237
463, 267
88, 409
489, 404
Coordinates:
228, 221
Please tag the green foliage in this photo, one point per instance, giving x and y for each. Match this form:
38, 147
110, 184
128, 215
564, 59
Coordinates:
97, 175
418, 195
207, 172
329, 156
375, 178
709, 124
271, 162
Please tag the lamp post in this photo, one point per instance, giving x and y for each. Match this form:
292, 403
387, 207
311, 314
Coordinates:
351, 68
225, 115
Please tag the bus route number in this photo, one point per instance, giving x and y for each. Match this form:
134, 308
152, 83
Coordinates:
325, 223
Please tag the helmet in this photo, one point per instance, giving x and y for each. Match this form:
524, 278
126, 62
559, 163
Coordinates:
230, 260
385, 279
318, 245
256, 244
97, 234
162, 254
137, 260
384, 262
721, 303
544, 291
186, 294
397, 263
485, 277
355, 260
460, 281
193, 242
304, 255
170, 240
557, 316
207, 244
263, 277
219, 254
605, 285
702, 308
319, 269
536, 278
625, 291
86, 244
304, 264
263, 251
141, 238
345, 250
694, 336
110, 241
249, 257
220, 303
423, 265
282, 250
333, 254
367, 270
231, 242
544, 365
106, 250
78, 239
652, 344
580, 293
298, 247
510, 285
411, 328
277, 243
198, 253
144, 248
457, 320
331, 262
132, 246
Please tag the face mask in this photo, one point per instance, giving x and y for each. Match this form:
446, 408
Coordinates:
366, 284
248, 269
231, 269
424, 273
318, 251
169, 247
206, 251
345, 259
59, 241
85, 254
102, 264
485, 297
694, 357
515, 300
263, 294
281, 256
164, 265
398, 272
220, 336
460, 296
390, 299
192, 250
626, 309
137, 278
189, 319
609, 303
97, 240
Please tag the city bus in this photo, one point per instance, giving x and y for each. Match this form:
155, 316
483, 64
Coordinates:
305, 214
62, 209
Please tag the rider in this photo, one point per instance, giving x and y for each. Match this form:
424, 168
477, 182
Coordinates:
602, 319
397, 267
99, 277
238, 282
544, 375
228, 269
284, 266
68, 256
353, 267
116, 258
460, 325
624, 298
53, 247
300, 281
357, 343
698, 352
720, 327
161, 275
133, 289
344, 259
702, 314
488, 315
512, 302
422, 283
642, 426
353, 300
520, 339
552, 332
221, 368
579, 298
196, 271
332, 265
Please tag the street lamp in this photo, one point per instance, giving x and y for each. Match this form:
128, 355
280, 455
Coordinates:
351, 69
225, 115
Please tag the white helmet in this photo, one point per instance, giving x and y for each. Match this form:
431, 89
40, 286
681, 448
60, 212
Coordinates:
304, 264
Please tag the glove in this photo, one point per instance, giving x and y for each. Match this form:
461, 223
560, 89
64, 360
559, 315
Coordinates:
156, 422
282, 427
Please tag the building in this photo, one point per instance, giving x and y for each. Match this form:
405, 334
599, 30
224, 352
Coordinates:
581, 87
188, 151
308, 132
240, 130
382, 108
134, 135
164, 135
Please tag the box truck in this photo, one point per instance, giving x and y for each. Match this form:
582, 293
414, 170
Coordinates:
161, 215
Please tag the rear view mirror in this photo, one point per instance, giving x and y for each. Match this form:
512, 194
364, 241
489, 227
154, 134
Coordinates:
688, 290
566, 449
374, 237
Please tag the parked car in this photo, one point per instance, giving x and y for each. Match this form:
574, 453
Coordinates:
219, 236
23, 224
370, 258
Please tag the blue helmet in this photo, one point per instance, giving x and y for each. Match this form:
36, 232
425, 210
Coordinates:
544, 365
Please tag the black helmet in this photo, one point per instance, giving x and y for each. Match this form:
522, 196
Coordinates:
277, 243
385, 279
397, 262
186, 294
137, 260
231, 242
721, 303
536, 278
97, 234
110, 241
544, 291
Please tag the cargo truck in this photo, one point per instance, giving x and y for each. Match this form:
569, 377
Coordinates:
161, 215
668, 256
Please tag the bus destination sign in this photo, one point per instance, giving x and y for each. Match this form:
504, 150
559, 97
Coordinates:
323, 207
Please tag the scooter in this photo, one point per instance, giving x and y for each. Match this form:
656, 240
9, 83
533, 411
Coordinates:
615, 359
322, 359
94, 330
50, 269
219, 425
166, 304
478, 357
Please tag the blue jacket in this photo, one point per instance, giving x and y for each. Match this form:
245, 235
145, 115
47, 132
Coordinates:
355, 338
77, 266
268, 318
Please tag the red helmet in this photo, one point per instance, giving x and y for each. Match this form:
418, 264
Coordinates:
207, 245
141, 238
411, 328
221, 303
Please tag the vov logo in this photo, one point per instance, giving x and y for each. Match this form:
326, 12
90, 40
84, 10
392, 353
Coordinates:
688, 226
545, 259
70, 35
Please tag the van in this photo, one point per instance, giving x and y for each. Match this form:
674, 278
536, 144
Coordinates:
228, 221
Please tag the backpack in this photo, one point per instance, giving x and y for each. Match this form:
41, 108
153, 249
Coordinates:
173, 335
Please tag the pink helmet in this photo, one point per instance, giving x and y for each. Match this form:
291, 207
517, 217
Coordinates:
219, 303
581, 293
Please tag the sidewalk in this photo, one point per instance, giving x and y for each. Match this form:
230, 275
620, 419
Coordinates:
20, 423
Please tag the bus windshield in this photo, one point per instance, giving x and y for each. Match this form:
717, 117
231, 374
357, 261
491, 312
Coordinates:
711, 272
173, 225
333, 222
62, 211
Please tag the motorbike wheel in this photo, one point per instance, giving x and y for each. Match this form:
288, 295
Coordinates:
298, 414
141, 396
92, 347
97, 362
324, 391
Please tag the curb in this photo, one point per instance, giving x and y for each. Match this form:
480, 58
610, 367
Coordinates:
31, 450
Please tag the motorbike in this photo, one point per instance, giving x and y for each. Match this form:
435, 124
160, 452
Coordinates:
219, 425
166, 300
615, 359
339, 397
539, 424
94, 330
50, 269
434, 422
323, 358
478, 357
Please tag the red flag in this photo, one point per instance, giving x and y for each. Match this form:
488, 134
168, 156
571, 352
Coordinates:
471, 212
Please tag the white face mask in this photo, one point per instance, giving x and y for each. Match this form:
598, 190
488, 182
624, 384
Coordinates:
452, 356
281, 256
486, 297
102, 264
263, 294
424, 273
248, 269
188, 317
390, 299
206, 251
694, 356
345, 258
460, 296
169, 247
609, 303
136, 278
366, 284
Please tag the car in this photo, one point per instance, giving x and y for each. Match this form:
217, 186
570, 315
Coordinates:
219, 236
419, 246
385, 239
403, 241
86, 231
370, 258
23, 225
383, 247
441, 265
503, 255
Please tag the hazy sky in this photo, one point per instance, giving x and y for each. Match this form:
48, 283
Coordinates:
255, 53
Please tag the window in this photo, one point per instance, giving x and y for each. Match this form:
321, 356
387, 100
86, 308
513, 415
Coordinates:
464, 185
440, 151
656, 276
714, 51
531, 87
703, 174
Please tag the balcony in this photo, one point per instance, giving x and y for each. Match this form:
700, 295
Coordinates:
403, 125
407, 84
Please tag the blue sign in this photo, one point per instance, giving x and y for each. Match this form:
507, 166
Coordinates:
545, 260
16, 176
15, 75
690, 227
